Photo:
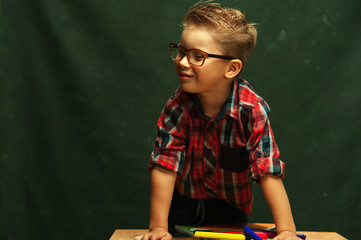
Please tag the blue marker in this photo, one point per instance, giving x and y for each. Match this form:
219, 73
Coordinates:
251, 233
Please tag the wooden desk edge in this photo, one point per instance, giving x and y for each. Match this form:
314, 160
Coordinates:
130, 234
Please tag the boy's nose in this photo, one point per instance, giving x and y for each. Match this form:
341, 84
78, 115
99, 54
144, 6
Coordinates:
184, 62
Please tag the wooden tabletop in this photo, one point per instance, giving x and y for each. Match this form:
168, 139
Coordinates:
130, 234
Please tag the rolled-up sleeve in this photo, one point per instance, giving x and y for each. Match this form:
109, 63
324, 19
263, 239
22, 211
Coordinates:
169, 147
264, 153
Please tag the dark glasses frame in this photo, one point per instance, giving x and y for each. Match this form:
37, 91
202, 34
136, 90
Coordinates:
205, 54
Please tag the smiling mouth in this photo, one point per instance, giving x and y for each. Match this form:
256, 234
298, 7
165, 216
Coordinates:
185, 75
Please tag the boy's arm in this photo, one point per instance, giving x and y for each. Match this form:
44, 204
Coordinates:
276, 197
161, 189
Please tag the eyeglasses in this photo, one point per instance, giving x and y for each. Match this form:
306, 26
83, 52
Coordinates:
195, 57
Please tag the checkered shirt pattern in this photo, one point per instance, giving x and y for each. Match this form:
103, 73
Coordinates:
217, 157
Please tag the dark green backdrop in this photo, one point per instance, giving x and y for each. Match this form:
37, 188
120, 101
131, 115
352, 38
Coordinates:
83, 83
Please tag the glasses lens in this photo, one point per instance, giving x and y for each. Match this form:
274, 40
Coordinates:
196, 57
176, 53
173, 52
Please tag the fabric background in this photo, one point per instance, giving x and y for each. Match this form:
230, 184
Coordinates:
82, 84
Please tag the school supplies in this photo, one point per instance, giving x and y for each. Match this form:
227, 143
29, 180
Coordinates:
272, 234
263, 230
185, 230
260, 234
219, 235
251, 233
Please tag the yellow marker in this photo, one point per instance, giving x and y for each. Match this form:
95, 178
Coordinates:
219, 235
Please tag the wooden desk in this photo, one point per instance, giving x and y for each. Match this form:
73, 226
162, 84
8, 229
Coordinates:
129, 234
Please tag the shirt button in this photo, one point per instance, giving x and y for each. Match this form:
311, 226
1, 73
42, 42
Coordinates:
258, 154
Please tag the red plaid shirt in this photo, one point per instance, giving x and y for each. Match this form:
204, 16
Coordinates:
217, 157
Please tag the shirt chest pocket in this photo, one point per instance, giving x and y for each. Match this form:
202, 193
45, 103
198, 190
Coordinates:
234, 159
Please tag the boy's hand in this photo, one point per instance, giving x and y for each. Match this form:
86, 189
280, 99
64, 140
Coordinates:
286, 235
155, 234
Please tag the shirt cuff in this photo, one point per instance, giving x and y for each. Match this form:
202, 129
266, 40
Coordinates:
263, 166
171, 160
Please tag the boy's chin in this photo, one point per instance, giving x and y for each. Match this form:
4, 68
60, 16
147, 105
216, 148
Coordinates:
188, 89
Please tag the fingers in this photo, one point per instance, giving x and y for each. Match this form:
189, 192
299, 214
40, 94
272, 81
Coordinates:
140, 237
167, 237
286, 238
154, 236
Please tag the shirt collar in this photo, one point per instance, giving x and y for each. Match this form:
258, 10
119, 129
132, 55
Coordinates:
230, 107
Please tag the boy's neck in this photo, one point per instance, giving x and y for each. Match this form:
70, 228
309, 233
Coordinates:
212, 102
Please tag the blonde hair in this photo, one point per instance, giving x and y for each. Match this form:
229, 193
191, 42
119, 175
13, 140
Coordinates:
236, 37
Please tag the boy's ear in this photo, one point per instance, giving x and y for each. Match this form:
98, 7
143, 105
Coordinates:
234, 68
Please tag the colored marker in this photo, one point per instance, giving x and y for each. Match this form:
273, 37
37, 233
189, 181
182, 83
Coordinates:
251, 233
259, 233
272, 234
302, 236
219, 235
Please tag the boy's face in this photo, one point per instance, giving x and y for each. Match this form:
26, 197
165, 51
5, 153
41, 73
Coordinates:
208, 78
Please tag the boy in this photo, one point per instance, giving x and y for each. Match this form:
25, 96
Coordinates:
214, 133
